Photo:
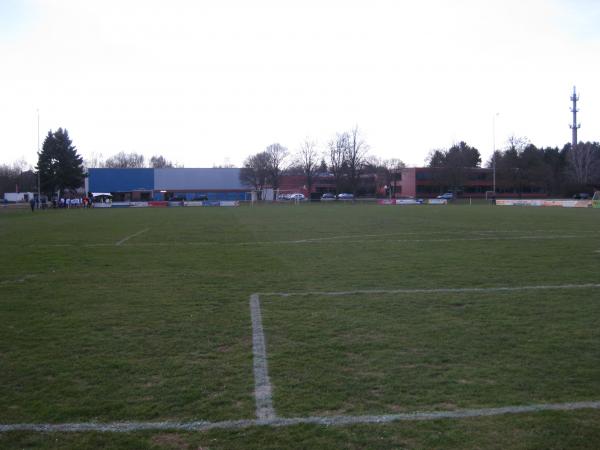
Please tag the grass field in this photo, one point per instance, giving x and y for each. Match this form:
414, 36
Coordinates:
142, 315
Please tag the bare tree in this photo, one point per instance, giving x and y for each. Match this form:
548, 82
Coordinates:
583, 162
307, 159
124, 160
337, 158
17, 177
160, 162
226, 164
94, 161
276, 156
392, 169
517, 143
386, 171
255, 172
355, 154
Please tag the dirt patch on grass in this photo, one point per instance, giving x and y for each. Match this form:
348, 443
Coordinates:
170, 441
398, 408
445, 406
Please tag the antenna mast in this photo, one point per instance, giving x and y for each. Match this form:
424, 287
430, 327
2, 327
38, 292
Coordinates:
575, 126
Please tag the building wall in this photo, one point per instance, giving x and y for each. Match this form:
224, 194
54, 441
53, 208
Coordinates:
165, 184
121, 180
408, 183
217, 179
187, 195
297, 183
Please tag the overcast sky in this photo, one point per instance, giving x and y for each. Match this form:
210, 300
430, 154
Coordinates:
209, 82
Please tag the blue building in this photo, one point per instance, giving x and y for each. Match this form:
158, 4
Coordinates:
168, 184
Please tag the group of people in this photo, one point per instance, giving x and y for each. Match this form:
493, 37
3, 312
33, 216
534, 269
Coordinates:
63, 202
76, 202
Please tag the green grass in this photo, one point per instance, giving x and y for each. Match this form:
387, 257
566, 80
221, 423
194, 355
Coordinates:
374, 354
550, 430
159, 327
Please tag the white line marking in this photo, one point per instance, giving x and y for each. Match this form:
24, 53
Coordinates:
488, 238
331, 241
452, 239
262, 384
433, 291
357, 238
123, 427
18, 280
353, 238
131, 236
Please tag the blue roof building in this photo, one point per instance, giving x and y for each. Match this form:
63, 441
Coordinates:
169, 184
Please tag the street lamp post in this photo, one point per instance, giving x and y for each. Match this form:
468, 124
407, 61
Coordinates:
39, 202
494, 151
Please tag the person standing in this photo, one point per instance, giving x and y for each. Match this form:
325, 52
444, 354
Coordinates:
32, 204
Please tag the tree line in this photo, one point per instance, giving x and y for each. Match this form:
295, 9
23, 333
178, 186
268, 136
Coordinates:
59, 168
345, 158
521, 167
17, 177
133, 160
62, 169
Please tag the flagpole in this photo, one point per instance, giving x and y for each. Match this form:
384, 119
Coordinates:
39, 168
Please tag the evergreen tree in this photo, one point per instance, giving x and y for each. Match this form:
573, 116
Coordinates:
59, 165
454, 165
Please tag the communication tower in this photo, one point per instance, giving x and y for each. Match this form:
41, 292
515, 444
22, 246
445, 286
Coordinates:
575, 126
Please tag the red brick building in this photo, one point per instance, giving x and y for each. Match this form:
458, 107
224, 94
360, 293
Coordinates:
424, 182
472, 182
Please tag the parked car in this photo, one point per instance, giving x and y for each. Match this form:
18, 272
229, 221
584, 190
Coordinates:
283, 197
296, 196
345, 196
328, 196
446, 196
582, 196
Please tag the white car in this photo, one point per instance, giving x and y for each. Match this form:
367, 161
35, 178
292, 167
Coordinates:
345, 196
446, 196
297, 196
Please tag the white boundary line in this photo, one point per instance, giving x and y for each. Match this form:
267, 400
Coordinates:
23, 279
346, 240
433, 291
122, 241
262, 383
479, 235
123, 427
487, 238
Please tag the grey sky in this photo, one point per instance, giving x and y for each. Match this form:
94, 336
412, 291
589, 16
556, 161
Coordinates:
204, 82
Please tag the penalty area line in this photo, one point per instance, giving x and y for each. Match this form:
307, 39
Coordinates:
23, 279
124, 427
262, 384
432, 291
122, 241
